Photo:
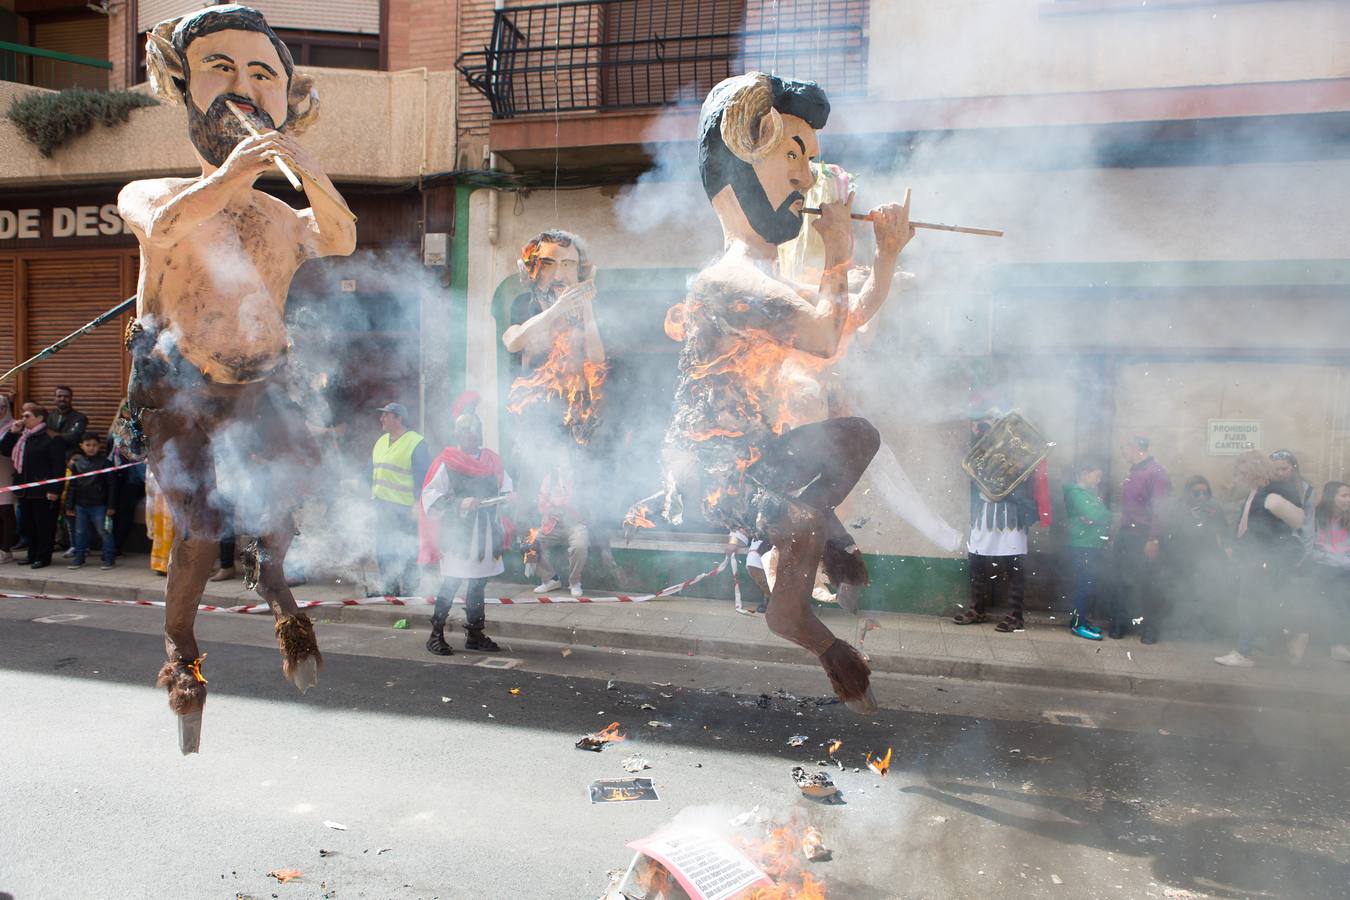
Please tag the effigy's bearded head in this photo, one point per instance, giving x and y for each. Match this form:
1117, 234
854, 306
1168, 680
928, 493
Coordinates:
553, 261
225, 53
757, 135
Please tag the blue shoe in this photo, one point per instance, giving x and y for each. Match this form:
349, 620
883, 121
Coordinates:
1084, 630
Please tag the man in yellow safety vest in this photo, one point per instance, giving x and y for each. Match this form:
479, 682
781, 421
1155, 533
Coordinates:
398, 467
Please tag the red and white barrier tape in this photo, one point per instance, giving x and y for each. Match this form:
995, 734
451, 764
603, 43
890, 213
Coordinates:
33, 484
395, 601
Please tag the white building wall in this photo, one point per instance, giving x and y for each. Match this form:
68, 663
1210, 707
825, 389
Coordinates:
971, 48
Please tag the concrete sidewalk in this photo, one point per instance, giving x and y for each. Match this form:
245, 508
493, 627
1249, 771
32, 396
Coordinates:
1044, 655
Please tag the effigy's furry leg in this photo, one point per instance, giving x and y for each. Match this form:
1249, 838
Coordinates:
300, 656
263, 562
799, 538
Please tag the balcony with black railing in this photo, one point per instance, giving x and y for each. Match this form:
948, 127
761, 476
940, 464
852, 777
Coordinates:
596, 55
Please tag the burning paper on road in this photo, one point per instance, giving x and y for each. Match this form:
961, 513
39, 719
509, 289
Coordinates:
597, 740
813, 845
704, 865
818, 785
882, 764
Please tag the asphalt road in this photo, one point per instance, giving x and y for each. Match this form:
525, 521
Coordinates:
450, 786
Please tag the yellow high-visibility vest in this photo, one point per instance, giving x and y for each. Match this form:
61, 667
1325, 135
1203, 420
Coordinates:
392, 466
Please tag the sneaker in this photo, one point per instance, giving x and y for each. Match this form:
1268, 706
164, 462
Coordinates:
1298, 646
575, 589
225, 574
108, 565
1084, 630
1341, 653
1234, 659
77, 564
551, 585
69, 554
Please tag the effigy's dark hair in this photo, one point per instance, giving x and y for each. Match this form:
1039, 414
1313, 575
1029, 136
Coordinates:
231, 17
717, 165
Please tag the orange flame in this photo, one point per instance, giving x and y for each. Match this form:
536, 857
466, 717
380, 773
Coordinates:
781, 856
711, 433
835, 745
580, 387
637, 518
882, 764
285, 875
608, 734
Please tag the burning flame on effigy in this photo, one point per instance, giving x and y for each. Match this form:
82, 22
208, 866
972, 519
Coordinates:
781, 855
529, 546
579, 387
882, 764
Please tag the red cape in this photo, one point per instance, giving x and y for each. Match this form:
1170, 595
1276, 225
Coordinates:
428, 529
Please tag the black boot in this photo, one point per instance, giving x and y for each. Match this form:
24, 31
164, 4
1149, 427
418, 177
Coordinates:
436, 643
479, 641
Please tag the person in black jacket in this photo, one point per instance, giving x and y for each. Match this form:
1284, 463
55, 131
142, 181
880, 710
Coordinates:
89, 501
37, 456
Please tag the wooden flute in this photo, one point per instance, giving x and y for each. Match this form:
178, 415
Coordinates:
960, 229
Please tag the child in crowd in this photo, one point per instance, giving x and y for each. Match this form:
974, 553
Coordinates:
89, 501
1089, 521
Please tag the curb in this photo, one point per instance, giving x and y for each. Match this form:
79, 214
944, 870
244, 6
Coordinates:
1177, 689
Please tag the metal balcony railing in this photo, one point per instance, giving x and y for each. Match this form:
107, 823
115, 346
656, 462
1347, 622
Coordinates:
621, 54
47, 68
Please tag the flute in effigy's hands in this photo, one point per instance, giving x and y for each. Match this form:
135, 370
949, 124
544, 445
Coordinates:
253, 130
960, 229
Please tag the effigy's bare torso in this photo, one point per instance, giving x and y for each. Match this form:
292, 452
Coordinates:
731, 397
219, 295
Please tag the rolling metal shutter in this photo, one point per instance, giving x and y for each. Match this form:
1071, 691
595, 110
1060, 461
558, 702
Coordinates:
9, 296
61, 293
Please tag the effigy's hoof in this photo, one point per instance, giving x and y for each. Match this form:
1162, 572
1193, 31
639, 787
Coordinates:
304, 673
190, 732
187, 696
849, 675
864, 705
300, 657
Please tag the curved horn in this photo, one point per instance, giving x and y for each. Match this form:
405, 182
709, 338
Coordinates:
751, 127
163, 64
302, 103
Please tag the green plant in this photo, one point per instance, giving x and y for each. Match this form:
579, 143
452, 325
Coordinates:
50, 120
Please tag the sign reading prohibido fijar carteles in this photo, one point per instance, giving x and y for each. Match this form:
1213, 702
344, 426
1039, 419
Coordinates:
1229, 437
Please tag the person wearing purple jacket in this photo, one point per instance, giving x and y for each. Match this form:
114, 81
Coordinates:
1142, 527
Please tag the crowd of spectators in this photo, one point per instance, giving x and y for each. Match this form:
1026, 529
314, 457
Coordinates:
1272, 573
